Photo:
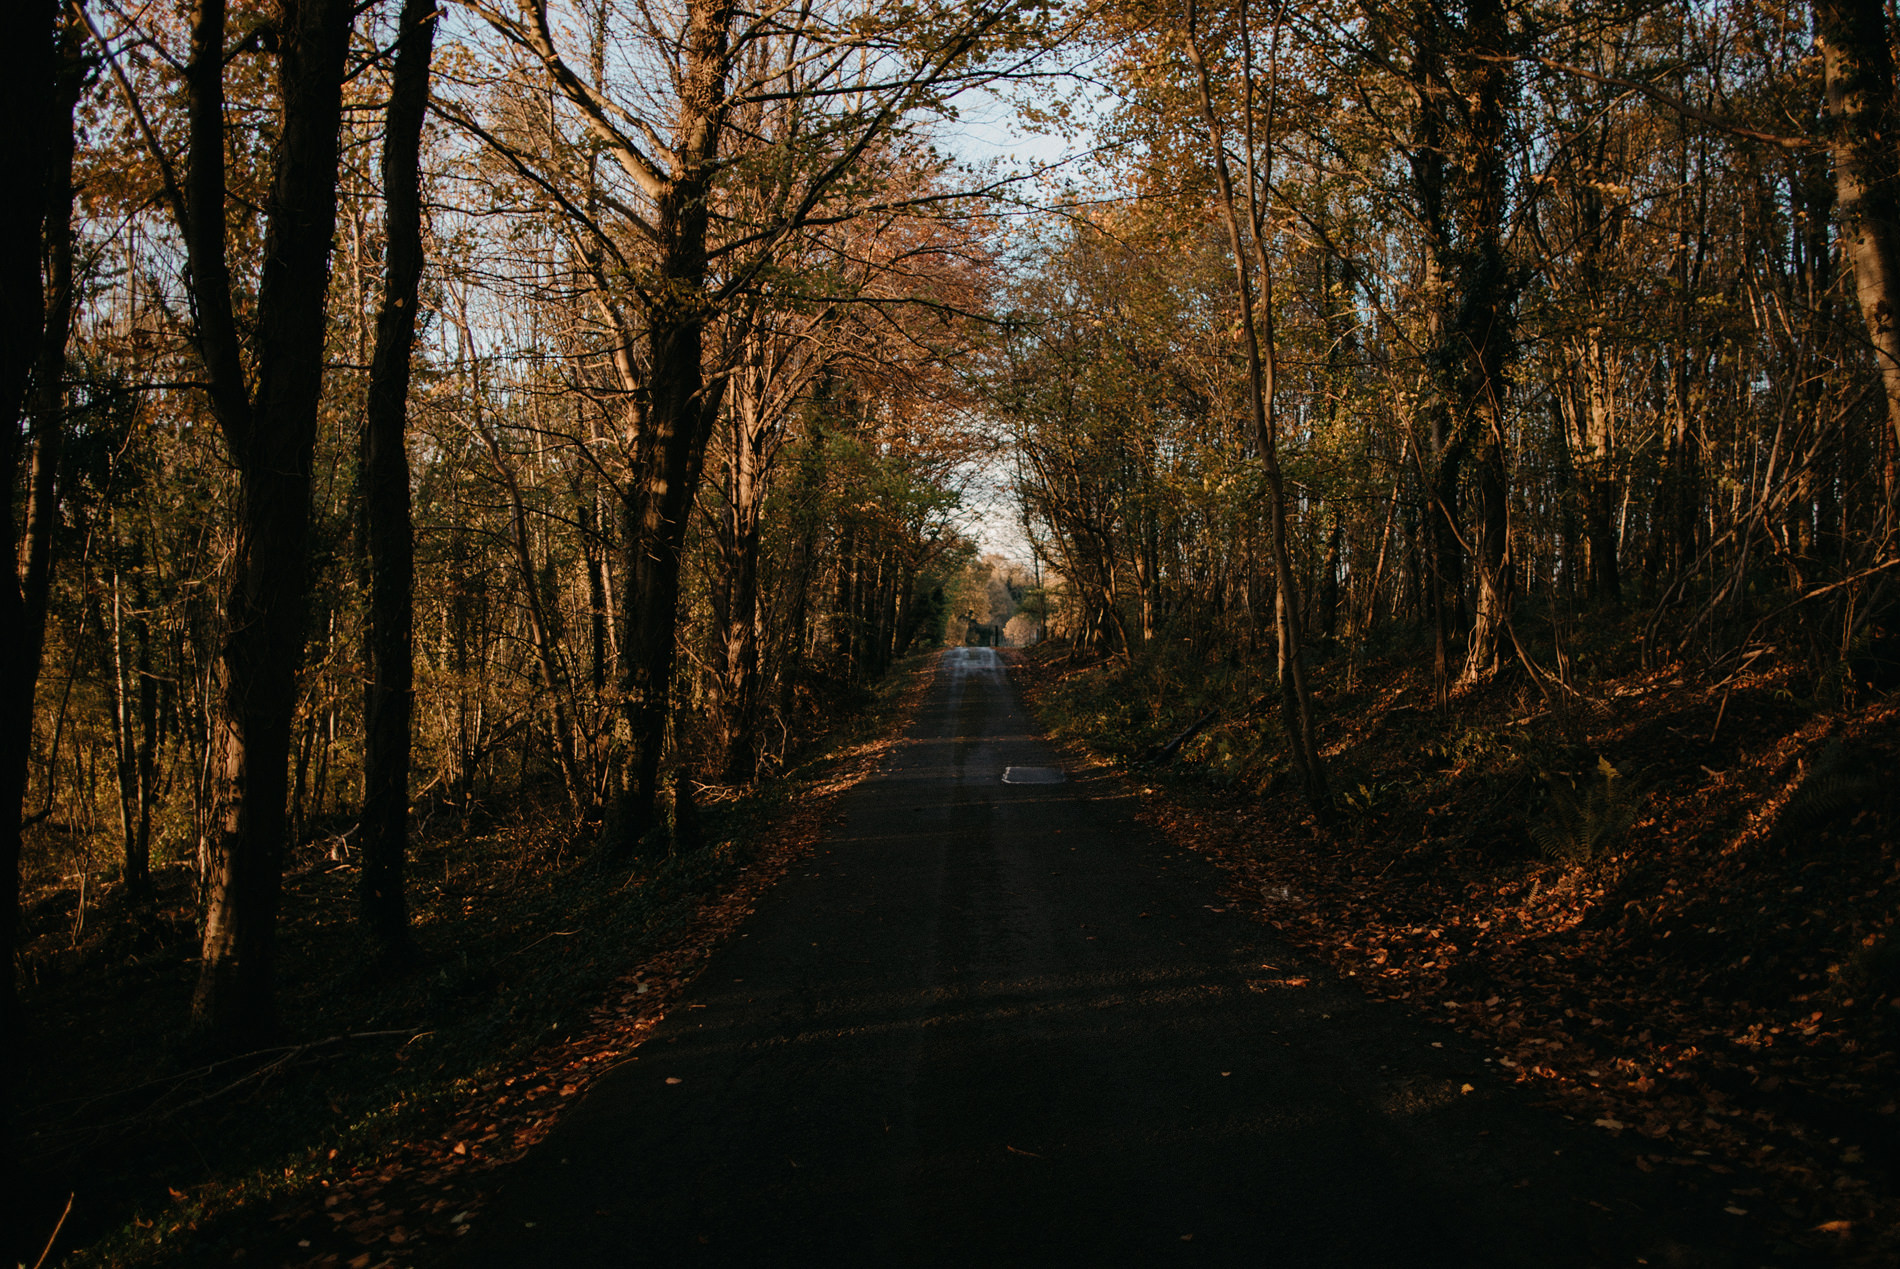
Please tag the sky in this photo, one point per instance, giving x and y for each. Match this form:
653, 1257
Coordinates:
989, 131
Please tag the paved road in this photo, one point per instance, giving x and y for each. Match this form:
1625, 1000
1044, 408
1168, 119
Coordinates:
998, 1023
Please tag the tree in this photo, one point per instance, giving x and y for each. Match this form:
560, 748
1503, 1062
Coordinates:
1863, 114
1262, 367
683, 250
36, 154
390, 536
266, 407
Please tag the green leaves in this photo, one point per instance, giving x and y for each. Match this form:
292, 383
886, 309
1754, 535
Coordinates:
1585, 817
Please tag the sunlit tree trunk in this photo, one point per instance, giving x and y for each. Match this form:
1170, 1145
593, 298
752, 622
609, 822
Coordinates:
681, 406
1595, 439
1296, 706
134, 720
737, 615
593, 561
1440, 452
1590, 396
843, 644
1864, 121
1483, 329
1683, 478
542, 634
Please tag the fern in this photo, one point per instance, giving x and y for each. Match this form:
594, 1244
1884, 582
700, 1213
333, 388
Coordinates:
1583, 818
1825, 795
1831, 787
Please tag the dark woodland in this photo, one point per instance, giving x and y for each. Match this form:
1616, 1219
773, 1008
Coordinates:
488, 480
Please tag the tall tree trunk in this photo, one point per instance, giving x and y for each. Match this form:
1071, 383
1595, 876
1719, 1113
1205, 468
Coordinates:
681, 406
1483, 330
1445, 551
593, 554
1296, 707
1440, 453
541, 632
390, 538
1593, 433
270, 430
145, 758
1595, 440
48, 400
1326, 601
1864, 120
844, 641
1141, 536
891, 572
30, 144
1496, 571
1682, 487
908, 612
737, 617
128, 730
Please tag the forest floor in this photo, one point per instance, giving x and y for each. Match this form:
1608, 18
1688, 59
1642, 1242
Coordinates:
364, 1134
1698, 954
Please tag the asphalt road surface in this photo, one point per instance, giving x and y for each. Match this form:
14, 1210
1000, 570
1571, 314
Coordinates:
996, 1022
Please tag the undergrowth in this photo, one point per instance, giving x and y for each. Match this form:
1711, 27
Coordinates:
1673, 905
171, 1154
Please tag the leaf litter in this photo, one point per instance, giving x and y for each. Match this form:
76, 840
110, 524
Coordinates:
1720, 992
